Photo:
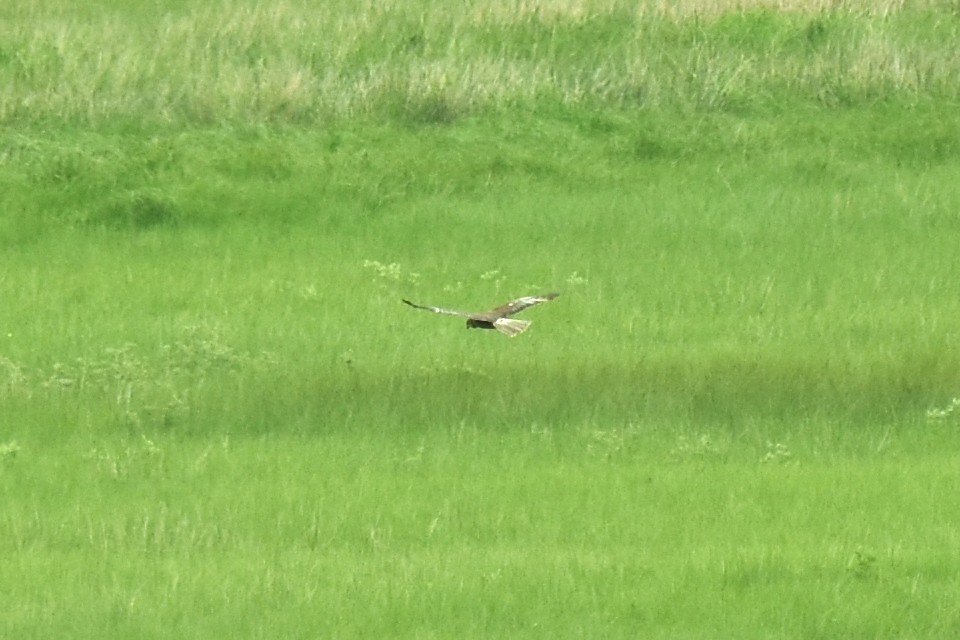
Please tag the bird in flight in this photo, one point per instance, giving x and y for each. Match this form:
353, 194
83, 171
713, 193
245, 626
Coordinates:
498, 318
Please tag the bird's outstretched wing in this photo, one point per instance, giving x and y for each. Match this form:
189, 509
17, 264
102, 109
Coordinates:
449, 312
518, 305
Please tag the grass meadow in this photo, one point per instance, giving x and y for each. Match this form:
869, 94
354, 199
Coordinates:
738, 420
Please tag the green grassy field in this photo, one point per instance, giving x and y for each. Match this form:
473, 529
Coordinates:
217, 419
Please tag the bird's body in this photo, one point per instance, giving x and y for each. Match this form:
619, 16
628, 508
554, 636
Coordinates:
498, 318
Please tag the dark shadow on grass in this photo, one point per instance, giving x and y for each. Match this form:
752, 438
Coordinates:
661, 394
136, 210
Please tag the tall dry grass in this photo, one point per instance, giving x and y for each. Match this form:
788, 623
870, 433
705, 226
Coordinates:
299, 62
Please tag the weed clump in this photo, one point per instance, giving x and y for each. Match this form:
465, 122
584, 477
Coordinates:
159, 389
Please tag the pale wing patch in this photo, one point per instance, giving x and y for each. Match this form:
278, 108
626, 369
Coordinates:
518, 305
510, 326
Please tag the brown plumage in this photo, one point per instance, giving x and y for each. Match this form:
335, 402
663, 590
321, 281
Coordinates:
498, 318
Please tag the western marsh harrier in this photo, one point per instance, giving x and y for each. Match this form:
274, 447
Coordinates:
498, 318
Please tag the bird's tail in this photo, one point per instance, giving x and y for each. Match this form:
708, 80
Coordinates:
510, 326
